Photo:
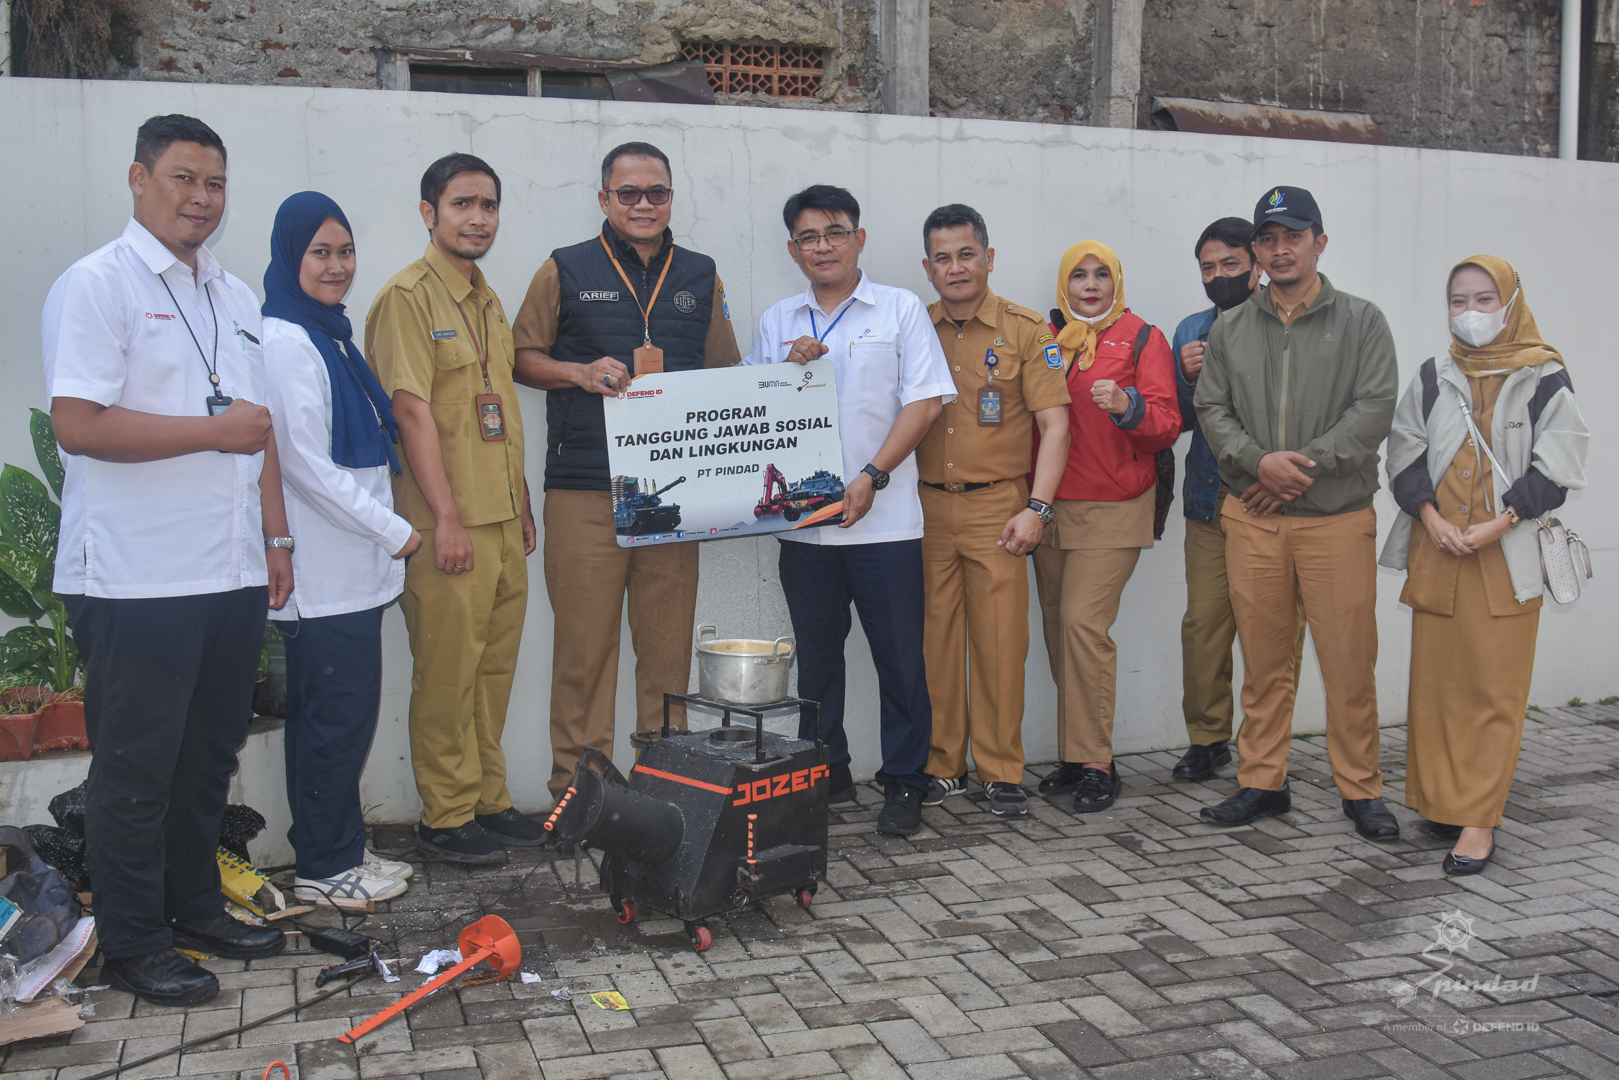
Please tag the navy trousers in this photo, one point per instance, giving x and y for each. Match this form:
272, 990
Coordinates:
168, 693
334, 689
884, 581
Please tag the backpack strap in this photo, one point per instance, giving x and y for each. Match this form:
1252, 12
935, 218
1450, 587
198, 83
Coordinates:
1141, 343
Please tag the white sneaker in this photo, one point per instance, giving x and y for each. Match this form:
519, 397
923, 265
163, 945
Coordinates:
375, 865
352, 890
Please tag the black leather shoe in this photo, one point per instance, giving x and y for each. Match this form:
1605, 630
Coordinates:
1372, 819
224, 936
163, 978
902, 811
1440, 831
466, 843
840, 785
1063, 780
1247, 804
1199, 762
513, 829
1462, 864
1097, 790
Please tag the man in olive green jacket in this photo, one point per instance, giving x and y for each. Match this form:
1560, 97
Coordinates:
1296, 394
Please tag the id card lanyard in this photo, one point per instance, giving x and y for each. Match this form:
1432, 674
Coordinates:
989, 398
216, 402
648, 357
821, 336
491, 419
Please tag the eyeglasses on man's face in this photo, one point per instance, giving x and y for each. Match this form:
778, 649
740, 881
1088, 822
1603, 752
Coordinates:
629, 196
833, 237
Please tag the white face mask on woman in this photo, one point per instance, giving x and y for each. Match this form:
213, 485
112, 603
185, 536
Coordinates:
1479, 328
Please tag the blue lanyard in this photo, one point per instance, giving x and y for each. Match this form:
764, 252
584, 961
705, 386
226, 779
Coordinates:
821, 337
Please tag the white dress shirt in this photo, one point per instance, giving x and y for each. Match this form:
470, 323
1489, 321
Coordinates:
342, 519
886, 355
114, 335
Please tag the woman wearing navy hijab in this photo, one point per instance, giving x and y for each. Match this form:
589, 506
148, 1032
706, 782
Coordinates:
337, 438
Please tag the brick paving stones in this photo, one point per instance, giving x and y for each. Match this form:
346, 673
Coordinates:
1139, 943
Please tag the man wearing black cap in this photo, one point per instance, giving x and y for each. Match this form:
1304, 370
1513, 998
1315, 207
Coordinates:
1296, 393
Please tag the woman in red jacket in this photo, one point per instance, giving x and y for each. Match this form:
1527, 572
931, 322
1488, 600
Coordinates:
1123, 411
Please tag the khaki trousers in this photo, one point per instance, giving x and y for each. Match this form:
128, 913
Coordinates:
1330, 563
1208, 630
1079, 602
976, 634
464, 633
587, 575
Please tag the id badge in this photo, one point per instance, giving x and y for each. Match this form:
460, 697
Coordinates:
217, 403
491, 421
648, 360
989, 406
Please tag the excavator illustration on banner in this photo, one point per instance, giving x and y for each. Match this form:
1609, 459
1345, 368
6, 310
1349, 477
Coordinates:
818, 497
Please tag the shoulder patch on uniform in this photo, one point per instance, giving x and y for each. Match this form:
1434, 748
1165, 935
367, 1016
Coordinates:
1027, 313
725, 305
1045, 339
1054, 356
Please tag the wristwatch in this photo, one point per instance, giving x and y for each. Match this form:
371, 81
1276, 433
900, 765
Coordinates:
1044, 510
879, 479
278, 542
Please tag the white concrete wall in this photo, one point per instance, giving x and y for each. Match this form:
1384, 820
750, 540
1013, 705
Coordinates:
1397, 218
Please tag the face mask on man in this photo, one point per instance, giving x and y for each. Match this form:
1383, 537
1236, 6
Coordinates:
1479, 328
1227, 292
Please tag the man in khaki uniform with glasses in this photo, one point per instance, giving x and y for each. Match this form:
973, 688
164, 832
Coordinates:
438, 339
628, 301
978, 518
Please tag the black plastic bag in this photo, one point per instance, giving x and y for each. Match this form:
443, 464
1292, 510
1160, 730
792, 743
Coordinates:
62, 851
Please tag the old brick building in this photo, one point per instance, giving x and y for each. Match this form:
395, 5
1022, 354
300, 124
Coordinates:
1456, 74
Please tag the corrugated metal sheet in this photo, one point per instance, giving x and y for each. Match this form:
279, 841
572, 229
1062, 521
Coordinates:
1266, 121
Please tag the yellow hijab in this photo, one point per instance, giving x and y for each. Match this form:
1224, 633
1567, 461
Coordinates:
1518, 345
1078, 338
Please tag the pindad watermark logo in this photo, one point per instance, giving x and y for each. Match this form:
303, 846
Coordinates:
1454, 934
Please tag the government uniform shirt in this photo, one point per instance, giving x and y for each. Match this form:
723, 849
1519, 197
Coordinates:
342, 518
416, 339
114, 335
958, 449
886, 356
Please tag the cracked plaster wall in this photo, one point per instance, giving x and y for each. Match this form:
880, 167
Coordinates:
1451, 74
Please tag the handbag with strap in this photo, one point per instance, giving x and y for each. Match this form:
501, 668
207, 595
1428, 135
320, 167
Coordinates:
1563, 555
50, 909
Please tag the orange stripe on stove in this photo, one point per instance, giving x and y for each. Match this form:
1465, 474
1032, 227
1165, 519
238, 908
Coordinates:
661, 775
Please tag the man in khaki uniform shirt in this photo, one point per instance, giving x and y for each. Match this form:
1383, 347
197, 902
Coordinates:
591, 309
441, 346
978, 519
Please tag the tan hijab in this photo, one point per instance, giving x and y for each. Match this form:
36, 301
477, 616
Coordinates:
1518, 345
1078, 337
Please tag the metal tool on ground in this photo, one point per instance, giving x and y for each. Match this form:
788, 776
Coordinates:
490, 938
709, 820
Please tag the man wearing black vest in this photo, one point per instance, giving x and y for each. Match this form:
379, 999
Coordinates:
621, 303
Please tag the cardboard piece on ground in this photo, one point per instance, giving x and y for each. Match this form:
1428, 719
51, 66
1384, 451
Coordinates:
53, 1016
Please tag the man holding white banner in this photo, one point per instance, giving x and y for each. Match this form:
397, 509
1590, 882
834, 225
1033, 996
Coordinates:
892, 383
627, 298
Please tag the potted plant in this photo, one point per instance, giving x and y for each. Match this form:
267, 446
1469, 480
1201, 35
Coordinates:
39, 664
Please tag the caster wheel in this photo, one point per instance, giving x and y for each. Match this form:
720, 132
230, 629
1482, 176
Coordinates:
805, 898
626, 911
701, 938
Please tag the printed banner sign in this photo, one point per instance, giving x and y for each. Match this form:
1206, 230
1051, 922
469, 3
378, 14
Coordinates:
737, 451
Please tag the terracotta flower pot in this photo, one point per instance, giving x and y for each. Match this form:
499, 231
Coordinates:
61, 727
17, 736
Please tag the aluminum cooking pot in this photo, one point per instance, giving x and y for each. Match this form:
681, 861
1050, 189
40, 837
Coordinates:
742, 671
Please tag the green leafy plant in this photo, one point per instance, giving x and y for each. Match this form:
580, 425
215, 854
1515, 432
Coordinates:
1611, 699
1576, 702
30, 523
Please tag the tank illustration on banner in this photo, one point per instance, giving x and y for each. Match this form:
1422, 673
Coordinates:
820, 489
641, 513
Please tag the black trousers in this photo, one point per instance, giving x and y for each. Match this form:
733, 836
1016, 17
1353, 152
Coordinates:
168, 695
334, 688
884, 581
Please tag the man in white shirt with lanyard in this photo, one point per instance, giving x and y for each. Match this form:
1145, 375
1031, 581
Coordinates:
173, 541
892, 383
